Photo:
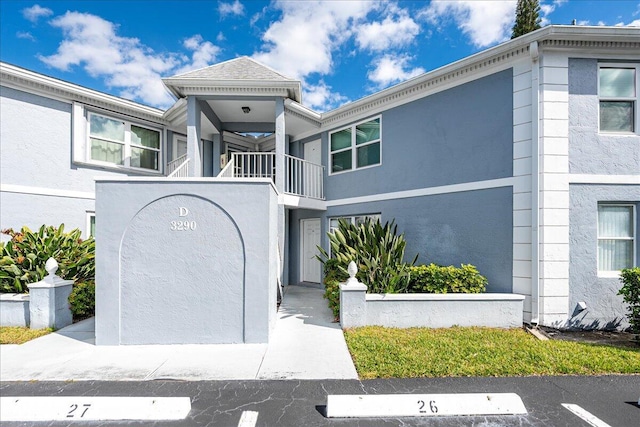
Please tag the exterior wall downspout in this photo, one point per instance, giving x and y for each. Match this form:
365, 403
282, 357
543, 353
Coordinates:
535, 183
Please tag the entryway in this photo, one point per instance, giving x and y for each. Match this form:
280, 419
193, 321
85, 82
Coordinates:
309, 265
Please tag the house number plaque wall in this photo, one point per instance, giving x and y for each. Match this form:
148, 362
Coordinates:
183, 224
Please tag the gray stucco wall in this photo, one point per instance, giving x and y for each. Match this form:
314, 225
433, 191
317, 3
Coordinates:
591, 152
463, 134
35, 138
17, 210
212, 284
472, 227
605, 309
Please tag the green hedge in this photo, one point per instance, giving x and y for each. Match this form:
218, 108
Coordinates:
333, 275
436, 279
82, 300
630, 278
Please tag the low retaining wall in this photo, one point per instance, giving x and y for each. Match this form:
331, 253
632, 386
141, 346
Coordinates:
357, 308
14, 309
45, 306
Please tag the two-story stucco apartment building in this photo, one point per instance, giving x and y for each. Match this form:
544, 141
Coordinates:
523, 160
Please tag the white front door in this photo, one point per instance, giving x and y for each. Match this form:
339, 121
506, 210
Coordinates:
312, 152
311, 267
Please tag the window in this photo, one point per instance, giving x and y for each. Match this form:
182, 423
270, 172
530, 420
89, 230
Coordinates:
355, 147
618, 98
616, 237
358, 219
91, 224
118, 142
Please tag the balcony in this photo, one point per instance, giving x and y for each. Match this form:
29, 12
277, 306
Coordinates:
302, 178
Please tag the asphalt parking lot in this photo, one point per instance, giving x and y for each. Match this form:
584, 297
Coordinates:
612, 400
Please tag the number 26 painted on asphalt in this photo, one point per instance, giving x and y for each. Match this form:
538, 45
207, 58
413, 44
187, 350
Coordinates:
432, 407
74, 407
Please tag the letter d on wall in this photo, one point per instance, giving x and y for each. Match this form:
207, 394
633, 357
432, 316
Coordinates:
184, 211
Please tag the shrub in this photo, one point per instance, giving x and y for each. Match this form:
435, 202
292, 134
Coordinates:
333, 275
377, 250
630, 278
82, 300
437, 279
23, 258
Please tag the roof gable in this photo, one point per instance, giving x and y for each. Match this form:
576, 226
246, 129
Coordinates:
242, 68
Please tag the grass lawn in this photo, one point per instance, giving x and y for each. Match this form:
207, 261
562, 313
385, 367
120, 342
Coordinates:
19, 335
459, 352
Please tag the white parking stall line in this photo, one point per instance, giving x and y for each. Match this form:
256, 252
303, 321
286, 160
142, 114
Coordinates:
585, 415
248, 419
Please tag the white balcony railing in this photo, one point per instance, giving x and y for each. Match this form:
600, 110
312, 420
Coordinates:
302, 178
178, 168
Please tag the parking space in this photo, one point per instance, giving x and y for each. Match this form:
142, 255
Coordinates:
609, 400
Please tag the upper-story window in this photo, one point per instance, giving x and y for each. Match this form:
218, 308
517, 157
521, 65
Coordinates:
355, 147
618, 92
119, 142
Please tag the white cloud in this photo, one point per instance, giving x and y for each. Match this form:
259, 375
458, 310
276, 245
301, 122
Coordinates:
320, 96
485, 22
36, 12
124, 63
392, 69
302, 42
635, 23
25, 35
397, 29
235, 8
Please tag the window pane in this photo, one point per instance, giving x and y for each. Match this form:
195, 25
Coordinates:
92, 225
615, 255
617, 82
341, 139
105, 151
615, 221
369, 131
341, 161
106, 128
141, 158
369, 155
616, 116
145, 137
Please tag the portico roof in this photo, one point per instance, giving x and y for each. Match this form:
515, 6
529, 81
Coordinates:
241, 76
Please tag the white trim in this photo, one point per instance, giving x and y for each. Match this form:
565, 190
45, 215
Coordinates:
604, 179
427, 191
41, 191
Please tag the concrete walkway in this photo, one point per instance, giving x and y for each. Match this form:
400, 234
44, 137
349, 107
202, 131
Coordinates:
305, 344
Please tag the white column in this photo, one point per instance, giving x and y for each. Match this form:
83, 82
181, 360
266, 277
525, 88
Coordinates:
194, 137
554, 189
280, 171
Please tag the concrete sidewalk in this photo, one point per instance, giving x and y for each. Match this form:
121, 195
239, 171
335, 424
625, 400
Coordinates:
305, 344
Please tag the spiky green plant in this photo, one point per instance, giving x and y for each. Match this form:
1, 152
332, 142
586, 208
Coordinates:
22, 259
377, 250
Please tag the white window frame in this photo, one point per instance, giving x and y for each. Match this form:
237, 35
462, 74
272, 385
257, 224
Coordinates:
90, 215
126, 143
353, 147
616, 273
636, 107
352, 218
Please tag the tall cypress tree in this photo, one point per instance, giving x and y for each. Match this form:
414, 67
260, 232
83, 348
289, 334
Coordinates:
527, 17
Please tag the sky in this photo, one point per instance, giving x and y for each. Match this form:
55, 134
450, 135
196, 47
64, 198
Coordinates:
341, 51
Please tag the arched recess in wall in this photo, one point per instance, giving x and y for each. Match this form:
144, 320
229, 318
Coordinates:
182, 274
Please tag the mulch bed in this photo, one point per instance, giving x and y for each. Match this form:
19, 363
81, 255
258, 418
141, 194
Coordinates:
618, 339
